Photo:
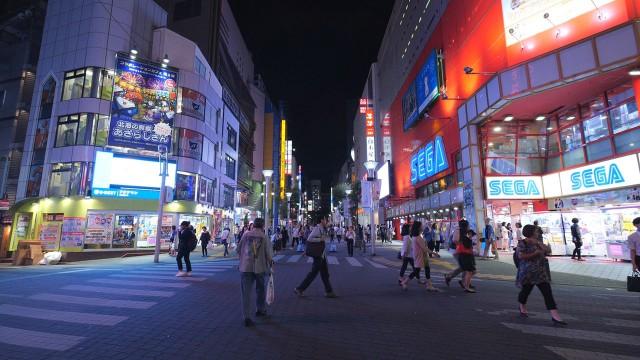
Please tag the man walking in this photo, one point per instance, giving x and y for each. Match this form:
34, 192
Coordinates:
489, 238
319, 235
187, 242
634, 245
224, 238
205, 237
576, 237
256, 258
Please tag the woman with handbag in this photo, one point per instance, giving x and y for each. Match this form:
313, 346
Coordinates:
533, 270
316, 249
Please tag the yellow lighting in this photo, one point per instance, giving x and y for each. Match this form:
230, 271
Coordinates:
283, 150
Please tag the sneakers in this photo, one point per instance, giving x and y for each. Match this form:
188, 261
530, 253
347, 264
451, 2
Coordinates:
248, 322
330, 295
298, 292
181, 274
188, 274
470, 290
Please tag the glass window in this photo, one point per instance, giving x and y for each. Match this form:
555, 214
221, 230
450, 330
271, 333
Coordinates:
35, 178
185, 186
82, 129
88, 79
595, 128
530, 166
100, 129
570, 138
620, 94
532, 127
46, 99
66, 179
231, 136
73, 84
568, 117
501, 145
554, 163
124, 234
501, 166
553, 143
106, 84
624, 117
228, 197
591, 108
459, 172
627, 141
71, 130
571, 158
599, 150
532, 145
230, 168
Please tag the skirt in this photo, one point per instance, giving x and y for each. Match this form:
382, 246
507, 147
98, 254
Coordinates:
467, 262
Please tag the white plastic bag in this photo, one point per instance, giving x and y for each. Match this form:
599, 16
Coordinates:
51, 258
271, 291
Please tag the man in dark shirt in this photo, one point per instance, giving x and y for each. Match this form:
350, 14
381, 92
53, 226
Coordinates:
205, 237
576, 236
187, 242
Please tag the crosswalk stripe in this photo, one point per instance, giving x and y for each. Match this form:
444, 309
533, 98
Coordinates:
625, 311
196, 266
195, 270
294, 258
159, 277
38, 339
375, 264
277, 257
332, 260
622, 323
164, 273
91, 301
353, 262
599, 336
119, 291
66, 316
139, 283
575, 354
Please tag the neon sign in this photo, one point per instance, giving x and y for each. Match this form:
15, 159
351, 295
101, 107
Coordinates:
429, 161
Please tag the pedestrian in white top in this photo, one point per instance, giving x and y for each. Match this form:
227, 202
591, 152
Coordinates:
634, 245
406, 253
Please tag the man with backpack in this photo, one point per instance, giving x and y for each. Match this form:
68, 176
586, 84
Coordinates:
187, 243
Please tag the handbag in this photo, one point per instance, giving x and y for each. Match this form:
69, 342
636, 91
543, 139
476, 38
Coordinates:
271, 291
633, 282
315, 249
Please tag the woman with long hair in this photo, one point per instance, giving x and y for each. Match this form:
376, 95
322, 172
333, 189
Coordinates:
464, 254
405, 252
420, 258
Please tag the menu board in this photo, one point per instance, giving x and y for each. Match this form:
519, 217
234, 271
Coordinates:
99, 228
22, 225
72, 233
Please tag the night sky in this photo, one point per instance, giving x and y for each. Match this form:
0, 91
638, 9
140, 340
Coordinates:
316, 56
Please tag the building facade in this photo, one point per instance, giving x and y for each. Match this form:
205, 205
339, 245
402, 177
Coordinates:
114, 89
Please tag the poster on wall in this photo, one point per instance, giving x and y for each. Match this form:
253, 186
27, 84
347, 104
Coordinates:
99, 228
72, 234
144, 105
50, 235
190, 144
193, 103
185, 187
23, 224
409, 107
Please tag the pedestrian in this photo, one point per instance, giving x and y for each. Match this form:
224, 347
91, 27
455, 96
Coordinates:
406, 253
173, 240
187, 242
255, 263
317, 239
428, 235
576, 237
339, 233
533, 270
295, 235
540, 232
510, 235
498, 236
205, 237
367, 233
420, 258
464, 252
350, 236
226, 234
634, 245
518, 235
489, 239
436, 236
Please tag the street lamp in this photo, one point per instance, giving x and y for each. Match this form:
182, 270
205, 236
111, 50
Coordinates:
288, 205
371, 177
162, 162
348, 207
267, 173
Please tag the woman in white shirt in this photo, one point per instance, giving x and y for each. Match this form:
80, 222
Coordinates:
406, 253
350, 235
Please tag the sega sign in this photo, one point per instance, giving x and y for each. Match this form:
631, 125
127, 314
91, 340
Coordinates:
429, 161
514, 187
605, 175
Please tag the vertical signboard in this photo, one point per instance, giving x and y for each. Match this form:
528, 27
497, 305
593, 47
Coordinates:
283, 149
144, 105
370, 133
386, 138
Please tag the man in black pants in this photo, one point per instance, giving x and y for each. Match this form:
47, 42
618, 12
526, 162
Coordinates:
577, 239
205, 237
188, 243
318, 234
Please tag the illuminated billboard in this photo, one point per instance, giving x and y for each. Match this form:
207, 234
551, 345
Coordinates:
383, 176
427, 84
124, 176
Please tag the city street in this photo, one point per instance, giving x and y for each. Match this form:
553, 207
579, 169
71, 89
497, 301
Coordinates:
134, 309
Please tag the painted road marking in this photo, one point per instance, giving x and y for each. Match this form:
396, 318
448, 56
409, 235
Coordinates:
574, 354
332, 260
38, 339
353, 262
91, 301
277, 257
56, 315
159, 277
139, 283
119, 291
375, 264
48, 274
622, 323
576, 334
195, 270
161, 273
294, 258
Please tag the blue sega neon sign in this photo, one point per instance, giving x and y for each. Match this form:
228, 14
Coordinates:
598, 176
429, 161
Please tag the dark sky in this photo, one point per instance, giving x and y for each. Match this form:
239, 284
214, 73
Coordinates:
316, 56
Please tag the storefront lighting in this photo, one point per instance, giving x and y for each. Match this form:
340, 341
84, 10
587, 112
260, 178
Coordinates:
634, 72
497, 129
540, 117
490, 144
455, 208
508, 118
134, 52
165, 60
571, 117
550, 128
132, 57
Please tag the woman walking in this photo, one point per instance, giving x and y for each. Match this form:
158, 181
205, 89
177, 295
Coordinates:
533, 270
350, 235
463, 239
420, 258
405, 253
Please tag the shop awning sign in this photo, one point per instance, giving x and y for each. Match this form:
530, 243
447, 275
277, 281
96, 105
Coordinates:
514, 187
605, 175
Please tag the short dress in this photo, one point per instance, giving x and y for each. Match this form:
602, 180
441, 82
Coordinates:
466, 260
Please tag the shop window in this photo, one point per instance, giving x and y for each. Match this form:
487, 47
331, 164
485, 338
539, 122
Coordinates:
88, 82
595, 128
571, 158
100, 132
620, 94
459, 166
124, 234
73, 84
500, 166
554, 163
33, 183
567, 118
185, 186
501, 145
530, 166
593, 107
66, 179
599, 150
230, 167
570, 138
624, 117
231, 137
532, 145
227, 196
627, 141
71, 130
553, 145
430, 189
106, 84
190, 144
532, 127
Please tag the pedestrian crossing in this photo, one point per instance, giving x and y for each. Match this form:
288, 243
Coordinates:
359, 262
82, 302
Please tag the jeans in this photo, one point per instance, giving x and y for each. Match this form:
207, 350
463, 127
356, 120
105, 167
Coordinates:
183, 253
438, 246
488, 244
246, 283
545, 289
406, 261
204, 249
350, 247
226, 248
577, 251
319, 266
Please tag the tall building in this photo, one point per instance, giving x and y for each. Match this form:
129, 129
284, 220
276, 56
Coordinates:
115, 88
21, 26
316, 194
504, 111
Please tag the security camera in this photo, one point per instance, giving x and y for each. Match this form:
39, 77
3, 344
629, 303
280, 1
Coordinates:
468, 70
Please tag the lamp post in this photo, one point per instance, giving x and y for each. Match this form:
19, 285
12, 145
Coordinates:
288, 206
162, 162
267, 173
371, 177
348, 207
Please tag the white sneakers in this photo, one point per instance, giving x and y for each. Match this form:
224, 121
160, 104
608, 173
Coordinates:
183, 273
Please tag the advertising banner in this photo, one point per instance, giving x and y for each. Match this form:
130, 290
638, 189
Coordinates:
427, 84
144, 105
193, 103
605, 175
23, 225
514, 187
99, 228
190, 144
185, 187
50, 235
72, 234
409, 107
